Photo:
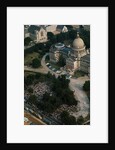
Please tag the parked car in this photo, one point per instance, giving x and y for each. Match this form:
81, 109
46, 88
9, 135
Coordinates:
58, 71
47, 64
53, 69
50, 66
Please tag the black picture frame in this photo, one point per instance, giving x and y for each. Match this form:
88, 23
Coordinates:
3, 128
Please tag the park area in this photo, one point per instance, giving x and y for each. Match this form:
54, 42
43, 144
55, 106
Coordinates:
29, 57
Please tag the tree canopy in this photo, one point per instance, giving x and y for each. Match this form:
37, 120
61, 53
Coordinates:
61, 61
30, 90
50, 35
33, 99
27, 40
80, 120
29, 79
68, 119
86, 86
36, 63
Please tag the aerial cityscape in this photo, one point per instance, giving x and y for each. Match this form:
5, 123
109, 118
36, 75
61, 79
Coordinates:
56, 74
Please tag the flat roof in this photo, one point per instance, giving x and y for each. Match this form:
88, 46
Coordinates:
86, 57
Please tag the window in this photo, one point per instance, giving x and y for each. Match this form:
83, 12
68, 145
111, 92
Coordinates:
42, 33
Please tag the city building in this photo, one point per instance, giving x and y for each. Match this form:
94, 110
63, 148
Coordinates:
37, 33
76, 57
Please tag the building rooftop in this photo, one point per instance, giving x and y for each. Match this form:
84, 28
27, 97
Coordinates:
86, 57
60, 27
66, 49
32, 28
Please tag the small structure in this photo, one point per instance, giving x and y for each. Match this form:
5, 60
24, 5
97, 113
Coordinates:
62, 28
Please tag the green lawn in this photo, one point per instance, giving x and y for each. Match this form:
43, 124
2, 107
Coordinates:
29, 57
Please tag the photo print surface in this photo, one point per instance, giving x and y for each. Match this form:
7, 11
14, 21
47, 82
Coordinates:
56, 74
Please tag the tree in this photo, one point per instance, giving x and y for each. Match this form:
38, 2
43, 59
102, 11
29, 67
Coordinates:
86, 86
37, 75
32, 99
36, 63
60, 37
50, 35
61, 61
72, 34
70, 27
41, 46
85, 35
29, 79
27, 40
48, 45
47, 58
80, 120
53, 39
72, 120
30, 90
67, 119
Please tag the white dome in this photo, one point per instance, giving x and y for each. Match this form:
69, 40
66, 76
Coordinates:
78, 43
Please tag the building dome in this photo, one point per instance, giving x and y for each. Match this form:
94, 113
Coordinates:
78, 43
59, 45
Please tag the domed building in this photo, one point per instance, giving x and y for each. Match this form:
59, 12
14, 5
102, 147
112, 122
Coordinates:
76, 57
79, 46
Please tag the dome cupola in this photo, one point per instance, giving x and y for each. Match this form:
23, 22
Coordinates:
78, 43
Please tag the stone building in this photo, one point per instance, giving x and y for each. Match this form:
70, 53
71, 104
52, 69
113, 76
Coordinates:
85, 64
37, 33
76, 57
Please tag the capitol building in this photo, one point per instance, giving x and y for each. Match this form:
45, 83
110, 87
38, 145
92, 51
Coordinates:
76, 57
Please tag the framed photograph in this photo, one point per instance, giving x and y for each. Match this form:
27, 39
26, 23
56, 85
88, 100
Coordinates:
57, 75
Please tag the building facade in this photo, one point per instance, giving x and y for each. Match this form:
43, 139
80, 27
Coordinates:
37, 33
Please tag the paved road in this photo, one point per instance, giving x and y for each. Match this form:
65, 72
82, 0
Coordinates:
43, 63
80, 95
40, 70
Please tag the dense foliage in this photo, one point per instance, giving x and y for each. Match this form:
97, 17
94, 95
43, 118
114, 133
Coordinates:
36, 63
61, 94
27, 41
80, 120
61, 61
68, 119
86, 86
